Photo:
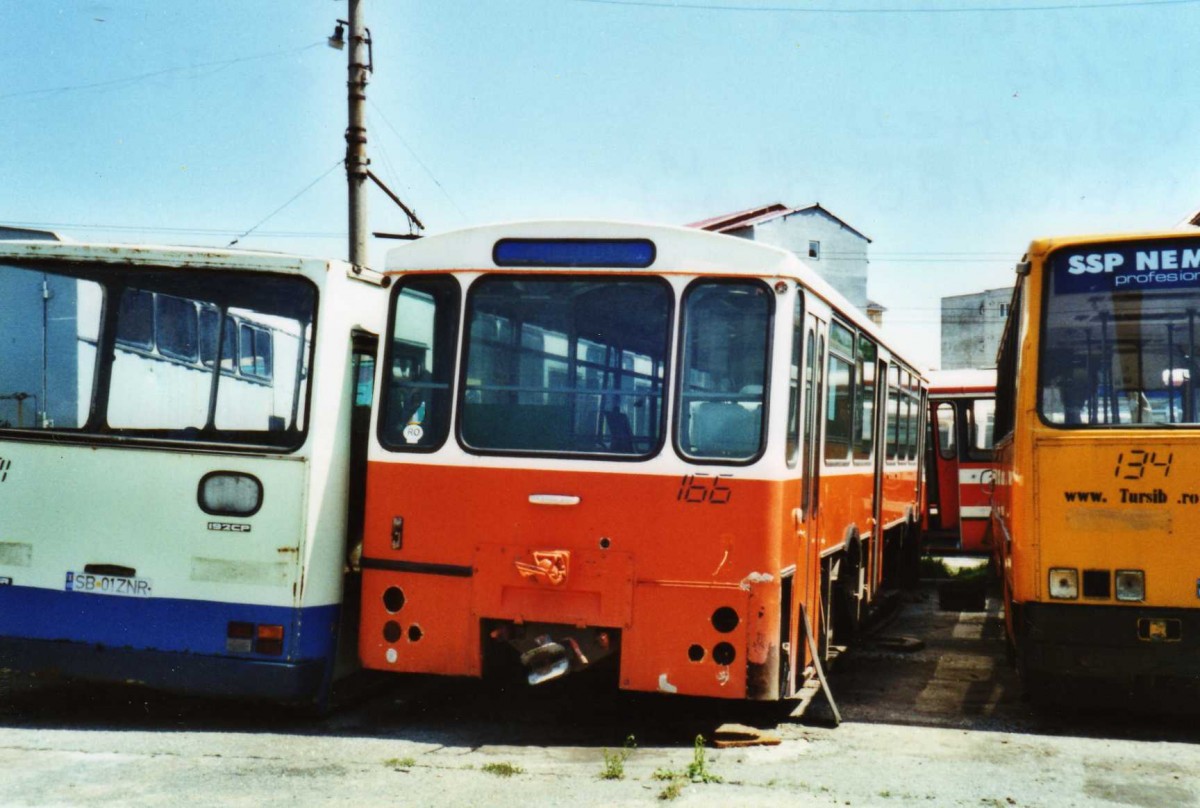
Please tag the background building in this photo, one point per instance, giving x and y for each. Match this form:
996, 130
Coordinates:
971, 328
835, 249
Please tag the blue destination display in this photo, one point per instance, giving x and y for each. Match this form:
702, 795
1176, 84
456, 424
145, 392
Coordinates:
583, 252
1130, 267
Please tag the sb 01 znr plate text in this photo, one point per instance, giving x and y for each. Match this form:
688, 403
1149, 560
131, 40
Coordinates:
108, 585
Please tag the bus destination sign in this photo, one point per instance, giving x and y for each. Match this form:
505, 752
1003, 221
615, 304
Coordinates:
1132, 266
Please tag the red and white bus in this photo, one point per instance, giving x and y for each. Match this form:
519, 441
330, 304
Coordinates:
960, 477
596, 437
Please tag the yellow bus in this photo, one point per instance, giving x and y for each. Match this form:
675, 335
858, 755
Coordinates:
1097, 497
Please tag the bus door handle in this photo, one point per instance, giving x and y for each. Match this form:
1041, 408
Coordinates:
553, 499
116, 570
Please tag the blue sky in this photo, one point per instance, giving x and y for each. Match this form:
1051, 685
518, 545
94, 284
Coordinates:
949, 132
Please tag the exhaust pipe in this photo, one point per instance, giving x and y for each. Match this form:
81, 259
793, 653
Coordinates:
545, 662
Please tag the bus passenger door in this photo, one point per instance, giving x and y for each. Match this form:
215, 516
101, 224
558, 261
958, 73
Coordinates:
975, 474
944, 533
879, 437
362, 384
813, 404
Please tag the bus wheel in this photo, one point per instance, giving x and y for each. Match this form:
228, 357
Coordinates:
848, 600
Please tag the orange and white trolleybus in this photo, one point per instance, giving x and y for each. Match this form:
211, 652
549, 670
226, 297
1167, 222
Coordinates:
1097, 465
652, 447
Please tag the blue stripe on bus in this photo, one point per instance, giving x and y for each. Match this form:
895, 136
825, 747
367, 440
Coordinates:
161, 624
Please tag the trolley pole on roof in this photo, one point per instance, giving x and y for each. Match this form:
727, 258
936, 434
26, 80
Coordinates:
359, 64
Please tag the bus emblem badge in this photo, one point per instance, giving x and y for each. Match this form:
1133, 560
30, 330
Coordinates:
549, 565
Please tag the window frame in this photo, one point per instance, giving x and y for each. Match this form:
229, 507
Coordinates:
676, 419
850, 359
465, 321
1046, 294
384, 394
113, 281
951, 451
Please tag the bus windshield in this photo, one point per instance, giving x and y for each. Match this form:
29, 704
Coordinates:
566, 364
1121, 330
168, 355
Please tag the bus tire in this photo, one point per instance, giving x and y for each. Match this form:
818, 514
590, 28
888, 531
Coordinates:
848, 600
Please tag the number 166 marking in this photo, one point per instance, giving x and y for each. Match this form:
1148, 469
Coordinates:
697, 488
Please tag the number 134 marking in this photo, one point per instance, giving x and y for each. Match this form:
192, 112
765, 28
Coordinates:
1132, 465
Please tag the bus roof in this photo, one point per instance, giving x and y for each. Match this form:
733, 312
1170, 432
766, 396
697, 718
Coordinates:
678, 250
961, 381
155, 255
1042, 246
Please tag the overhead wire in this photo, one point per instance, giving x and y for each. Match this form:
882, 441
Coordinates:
860, 10
294, 197
417, 157
154, 73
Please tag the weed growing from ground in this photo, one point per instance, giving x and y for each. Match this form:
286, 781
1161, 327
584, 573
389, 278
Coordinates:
502, 769
614, 762
671, 791
697, 770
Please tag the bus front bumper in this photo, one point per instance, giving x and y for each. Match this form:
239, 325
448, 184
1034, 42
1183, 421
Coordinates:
1109, 641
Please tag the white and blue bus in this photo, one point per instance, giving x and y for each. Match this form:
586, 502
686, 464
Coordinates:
182, 444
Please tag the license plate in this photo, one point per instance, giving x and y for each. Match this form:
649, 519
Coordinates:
1160, 629
108, 585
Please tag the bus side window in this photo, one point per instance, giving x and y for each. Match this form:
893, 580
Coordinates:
420, 363
864, 405
981, 424
839, 406
793, 423
947, 430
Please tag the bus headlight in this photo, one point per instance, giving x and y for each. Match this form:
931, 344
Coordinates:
1131, 585
1064, 583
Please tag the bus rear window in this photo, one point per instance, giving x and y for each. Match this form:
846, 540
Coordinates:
154, 373
571, 365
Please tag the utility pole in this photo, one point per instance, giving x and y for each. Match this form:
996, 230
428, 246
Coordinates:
359, 64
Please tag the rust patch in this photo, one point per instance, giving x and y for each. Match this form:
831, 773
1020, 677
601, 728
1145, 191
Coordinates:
1127, 518
759, 649
762, 679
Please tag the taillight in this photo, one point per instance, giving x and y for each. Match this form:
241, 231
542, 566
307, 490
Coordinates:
239, 638
269, 640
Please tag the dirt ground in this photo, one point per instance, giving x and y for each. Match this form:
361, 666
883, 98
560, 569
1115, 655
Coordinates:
932, 715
